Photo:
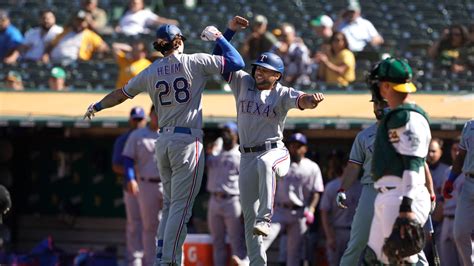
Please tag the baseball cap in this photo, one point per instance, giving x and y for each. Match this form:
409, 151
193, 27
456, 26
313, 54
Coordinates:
232, 126
81, 14
353, 5
13, 76
323, 20
298, 137
137, 113
397, 71
3, 14
260, 19
58, 73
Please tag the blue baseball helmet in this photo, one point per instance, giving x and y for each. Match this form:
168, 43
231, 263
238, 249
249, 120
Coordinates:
270, 61
169, 32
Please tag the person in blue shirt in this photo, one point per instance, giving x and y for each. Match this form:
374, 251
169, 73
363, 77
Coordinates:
10, 39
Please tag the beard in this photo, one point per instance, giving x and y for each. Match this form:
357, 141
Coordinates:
295, 158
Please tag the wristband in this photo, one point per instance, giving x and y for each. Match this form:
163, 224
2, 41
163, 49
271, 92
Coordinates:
98, 106
405, 206
433, 197
341, 190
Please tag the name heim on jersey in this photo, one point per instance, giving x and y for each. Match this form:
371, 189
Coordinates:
168, 69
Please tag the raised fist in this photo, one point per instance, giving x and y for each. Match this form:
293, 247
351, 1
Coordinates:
210, 33
238, 23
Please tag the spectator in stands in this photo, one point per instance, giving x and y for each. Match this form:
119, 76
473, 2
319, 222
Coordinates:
76, 42
259, 41
57, 79
322, 26
295, 56
36, 39
98, 17
359, 31
465, 61
14, 81
10, 39
337, 66
446, 50
130, 59
137, 19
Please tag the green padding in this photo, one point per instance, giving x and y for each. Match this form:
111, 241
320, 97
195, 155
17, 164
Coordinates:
413, 163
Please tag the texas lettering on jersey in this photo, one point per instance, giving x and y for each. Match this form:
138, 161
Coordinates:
254, 108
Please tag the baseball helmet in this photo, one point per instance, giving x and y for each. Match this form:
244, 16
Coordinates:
393, 70
169, 32
269, 61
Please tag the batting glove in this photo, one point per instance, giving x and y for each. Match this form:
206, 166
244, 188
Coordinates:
341, 199
448, 189
309, 215
210, 33
91, 110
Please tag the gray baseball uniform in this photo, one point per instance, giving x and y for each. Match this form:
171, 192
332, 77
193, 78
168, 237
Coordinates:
175, 84
447, 247
340, 219
140, 147
361, 154
464, 215
224, 206
294, 192
260, 118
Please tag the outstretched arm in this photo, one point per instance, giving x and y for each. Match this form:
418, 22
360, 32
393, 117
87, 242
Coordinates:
112, 99
310, 101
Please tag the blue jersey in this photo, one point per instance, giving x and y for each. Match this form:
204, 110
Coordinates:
117, 157
10, 39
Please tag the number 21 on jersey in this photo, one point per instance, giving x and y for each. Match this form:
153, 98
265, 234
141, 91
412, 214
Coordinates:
177, 90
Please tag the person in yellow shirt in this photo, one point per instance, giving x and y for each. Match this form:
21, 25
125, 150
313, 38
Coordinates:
131, 60
338, 65
76, 42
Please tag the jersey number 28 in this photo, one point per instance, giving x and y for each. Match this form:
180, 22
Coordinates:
181, 91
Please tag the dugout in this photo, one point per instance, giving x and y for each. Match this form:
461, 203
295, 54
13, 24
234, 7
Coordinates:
58, 165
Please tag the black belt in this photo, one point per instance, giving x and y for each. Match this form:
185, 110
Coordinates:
469, 175
183, 130
449, 216
151, 179
222, 195
260, 148
385, 189
289, 206
342, 227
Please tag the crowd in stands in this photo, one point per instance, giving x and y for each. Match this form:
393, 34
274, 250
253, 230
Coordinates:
330, 47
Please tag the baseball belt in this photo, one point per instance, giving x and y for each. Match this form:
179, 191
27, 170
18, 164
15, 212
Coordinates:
260, 148
150, 179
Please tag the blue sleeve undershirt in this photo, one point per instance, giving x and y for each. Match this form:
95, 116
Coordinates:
129, 168
226, 49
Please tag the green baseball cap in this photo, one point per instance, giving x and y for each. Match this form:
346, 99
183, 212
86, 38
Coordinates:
397, 71
57, 72
323, 20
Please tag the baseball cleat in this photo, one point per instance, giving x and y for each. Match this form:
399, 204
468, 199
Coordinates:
261, 228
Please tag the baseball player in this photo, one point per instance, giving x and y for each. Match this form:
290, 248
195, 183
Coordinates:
224, 206
336, 222
400, 148
143, 181
448, 252
262, 105
175, 84
134, 223
463, 165
296, 198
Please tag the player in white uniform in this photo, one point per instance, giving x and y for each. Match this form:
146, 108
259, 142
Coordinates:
224, 204
133, 228
175, 84
262, 106
464, 215
142, 176
401, 145
448, 253
296, 198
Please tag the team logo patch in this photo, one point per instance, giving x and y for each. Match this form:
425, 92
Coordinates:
412, 138
393, 136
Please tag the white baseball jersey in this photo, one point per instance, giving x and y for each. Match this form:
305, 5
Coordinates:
223, 171
297, 187
140, 146
175, 84
362, 150
261, 114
